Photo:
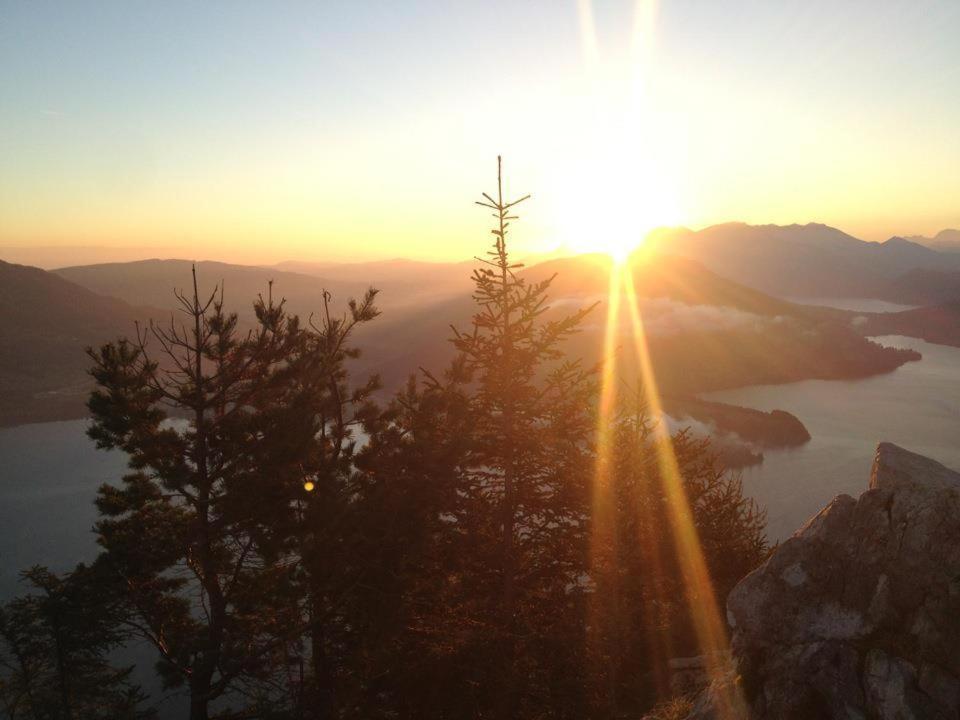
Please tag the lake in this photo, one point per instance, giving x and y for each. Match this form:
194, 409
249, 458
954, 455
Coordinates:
917, 407
49, 472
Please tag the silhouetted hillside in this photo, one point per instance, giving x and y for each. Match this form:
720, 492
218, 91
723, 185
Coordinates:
922, 287
47, 322
401, 283
664, 276
799, 260
704, 332
151, 282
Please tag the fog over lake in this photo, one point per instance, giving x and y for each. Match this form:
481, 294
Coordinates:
51, 471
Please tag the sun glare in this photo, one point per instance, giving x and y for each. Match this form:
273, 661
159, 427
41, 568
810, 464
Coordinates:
623, 181
620, 206
624, 193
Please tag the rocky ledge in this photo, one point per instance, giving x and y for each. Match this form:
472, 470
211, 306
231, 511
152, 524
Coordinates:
858, 614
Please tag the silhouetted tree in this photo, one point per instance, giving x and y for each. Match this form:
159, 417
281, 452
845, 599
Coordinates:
54, 648
525, 487
325, 528
408, 477
185, 532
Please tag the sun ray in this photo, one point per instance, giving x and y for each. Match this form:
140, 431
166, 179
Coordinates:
700, 596
588, 34
603, 546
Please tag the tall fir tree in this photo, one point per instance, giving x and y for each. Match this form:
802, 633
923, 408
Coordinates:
325, 531
526, 485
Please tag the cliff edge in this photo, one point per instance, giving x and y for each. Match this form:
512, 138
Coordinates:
858, 614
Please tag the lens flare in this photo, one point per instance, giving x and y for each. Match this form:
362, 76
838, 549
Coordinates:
682, 545
700, 596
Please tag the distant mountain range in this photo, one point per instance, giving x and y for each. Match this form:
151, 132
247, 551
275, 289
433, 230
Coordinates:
803, 260
151, 282
945, 241
713, 302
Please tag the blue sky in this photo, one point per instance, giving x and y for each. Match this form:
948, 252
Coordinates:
287, 128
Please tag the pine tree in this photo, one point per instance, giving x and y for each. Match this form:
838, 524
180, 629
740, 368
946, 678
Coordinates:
325, 533
54, 648
407, 478
184, 535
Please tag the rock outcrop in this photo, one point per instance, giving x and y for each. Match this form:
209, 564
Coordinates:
858, 614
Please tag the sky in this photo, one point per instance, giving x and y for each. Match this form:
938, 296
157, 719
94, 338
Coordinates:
266, 131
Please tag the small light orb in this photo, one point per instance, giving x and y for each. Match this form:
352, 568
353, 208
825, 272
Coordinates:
308, 486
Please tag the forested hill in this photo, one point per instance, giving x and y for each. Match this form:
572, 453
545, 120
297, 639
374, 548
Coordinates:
705, 332
939, 324
47, 322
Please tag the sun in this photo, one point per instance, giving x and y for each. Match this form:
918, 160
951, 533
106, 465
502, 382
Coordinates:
619, 197
621, 147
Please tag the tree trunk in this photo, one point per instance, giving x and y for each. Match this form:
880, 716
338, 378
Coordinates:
198, 705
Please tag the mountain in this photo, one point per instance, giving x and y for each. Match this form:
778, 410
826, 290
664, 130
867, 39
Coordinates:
54, 256
47, 323
704, 332
811, 260
922, 287
402, 284
944, 241
152, 282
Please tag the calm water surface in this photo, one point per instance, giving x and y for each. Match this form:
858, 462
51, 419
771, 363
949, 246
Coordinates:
49, 472
917, 407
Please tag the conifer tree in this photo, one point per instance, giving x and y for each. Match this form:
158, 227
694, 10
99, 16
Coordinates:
408, 476
643, 619
54, 648
184, 535
324, 528
526, 483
